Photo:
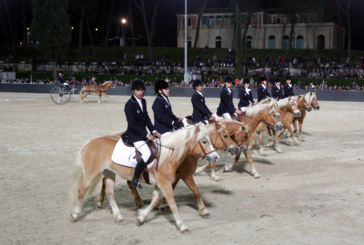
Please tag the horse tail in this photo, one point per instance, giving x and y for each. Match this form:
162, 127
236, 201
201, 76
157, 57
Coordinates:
77, 177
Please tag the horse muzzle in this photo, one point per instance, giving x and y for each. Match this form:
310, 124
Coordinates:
309, 108
297, 113
278, 126
233, 150
316, 107
243, 148
212, 157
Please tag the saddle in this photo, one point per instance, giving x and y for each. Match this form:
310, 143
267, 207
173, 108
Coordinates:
189, 120
138, 155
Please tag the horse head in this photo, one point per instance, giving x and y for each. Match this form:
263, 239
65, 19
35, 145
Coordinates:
272, 116
312, 99
302, 103
203, 146
221, 138
293, 106
239, 132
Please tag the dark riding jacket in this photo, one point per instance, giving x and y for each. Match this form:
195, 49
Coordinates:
163, 115
226, 102
262, 92
277, 92
200, 111
138, 120
288, 90
245, 97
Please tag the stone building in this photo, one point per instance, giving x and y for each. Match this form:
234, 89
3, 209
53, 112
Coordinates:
266, 31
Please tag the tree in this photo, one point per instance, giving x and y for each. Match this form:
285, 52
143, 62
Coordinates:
348, 24
109, 22
149, 30
51, 27
198, 23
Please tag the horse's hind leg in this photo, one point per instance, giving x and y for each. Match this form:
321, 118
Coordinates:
99, 99
261, 143
82, 190
138, 201
300, 123
142, 213
100, 199
189, 181
109, 189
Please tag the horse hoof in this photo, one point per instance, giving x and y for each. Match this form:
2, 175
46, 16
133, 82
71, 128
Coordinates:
215, 178
120, 221
139, 222
99, 205
227, 170
206, 216
256, 176
74, 217
186, 232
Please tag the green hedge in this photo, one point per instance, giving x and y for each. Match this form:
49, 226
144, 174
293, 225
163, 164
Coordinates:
328, 81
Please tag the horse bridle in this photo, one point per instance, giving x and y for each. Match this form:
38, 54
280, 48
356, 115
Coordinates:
218, 134
203, 150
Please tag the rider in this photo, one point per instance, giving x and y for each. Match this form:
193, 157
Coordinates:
262, 89
226, 107
164, 119
288, 88
62, 82
136, 133
277, 90
246, 96
200, 111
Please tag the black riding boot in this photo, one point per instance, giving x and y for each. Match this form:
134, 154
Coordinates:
138, 170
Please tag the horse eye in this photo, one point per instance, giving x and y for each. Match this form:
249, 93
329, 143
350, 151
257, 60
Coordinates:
225, 136
245, 137
204, 141
292, 104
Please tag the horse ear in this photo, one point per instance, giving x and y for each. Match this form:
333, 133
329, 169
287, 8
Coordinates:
244, 127
198, 129
217, 125
310, 93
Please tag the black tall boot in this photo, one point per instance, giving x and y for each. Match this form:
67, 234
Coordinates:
138, 170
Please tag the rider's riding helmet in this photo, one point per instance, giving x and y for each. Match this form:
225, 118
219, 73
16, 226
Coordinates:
159, 85
137, 84
196, 83
228, 79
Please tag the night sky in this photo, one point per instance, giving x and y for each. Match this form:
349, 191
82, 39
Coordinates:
166, 26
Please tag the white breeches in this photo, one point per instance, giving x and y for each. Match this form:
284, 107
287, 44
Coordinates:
226, 115
143, 148
245, 108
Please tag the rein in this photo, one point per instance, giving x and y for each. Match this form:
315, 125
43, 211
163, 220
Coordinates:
222, 140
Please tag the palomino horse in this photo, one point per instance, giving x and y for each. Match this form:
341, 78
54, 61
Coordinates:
94, 160
311, 99
303, 105
239, 132
288, 110
221, 140
100, 90
254, 115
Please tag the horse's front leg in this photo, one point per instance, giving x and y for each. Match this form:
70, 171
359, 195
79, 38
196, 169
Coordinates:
99, 99
229, 166
199, 169
276, 141
213, 171
250, 161
289, 128
253, 139
189, 181
300, 123
261, 144
167, 190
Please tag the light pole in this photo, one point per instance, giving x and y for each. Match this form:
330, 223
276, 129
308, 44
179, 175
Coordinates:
123, 22
185, 75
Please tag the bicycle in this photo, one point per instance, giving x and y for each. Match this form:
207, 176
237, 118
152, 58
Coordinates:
61, 94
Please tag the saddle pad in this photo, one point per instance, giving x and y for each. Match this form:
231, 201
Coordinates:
125, 155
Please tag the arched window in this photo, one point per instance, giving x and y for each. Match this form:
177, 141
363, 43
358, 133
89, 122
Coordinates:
321, 42
285, 42
272, 42
300, 42
218, 42
249, 41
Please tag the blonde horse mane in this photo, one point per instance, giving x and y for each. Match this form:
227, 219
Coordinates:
283, 102
254, 110
178, 140
310, 96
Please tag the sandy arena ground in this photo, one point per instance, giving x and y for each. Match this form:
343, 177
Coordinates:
308, 194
